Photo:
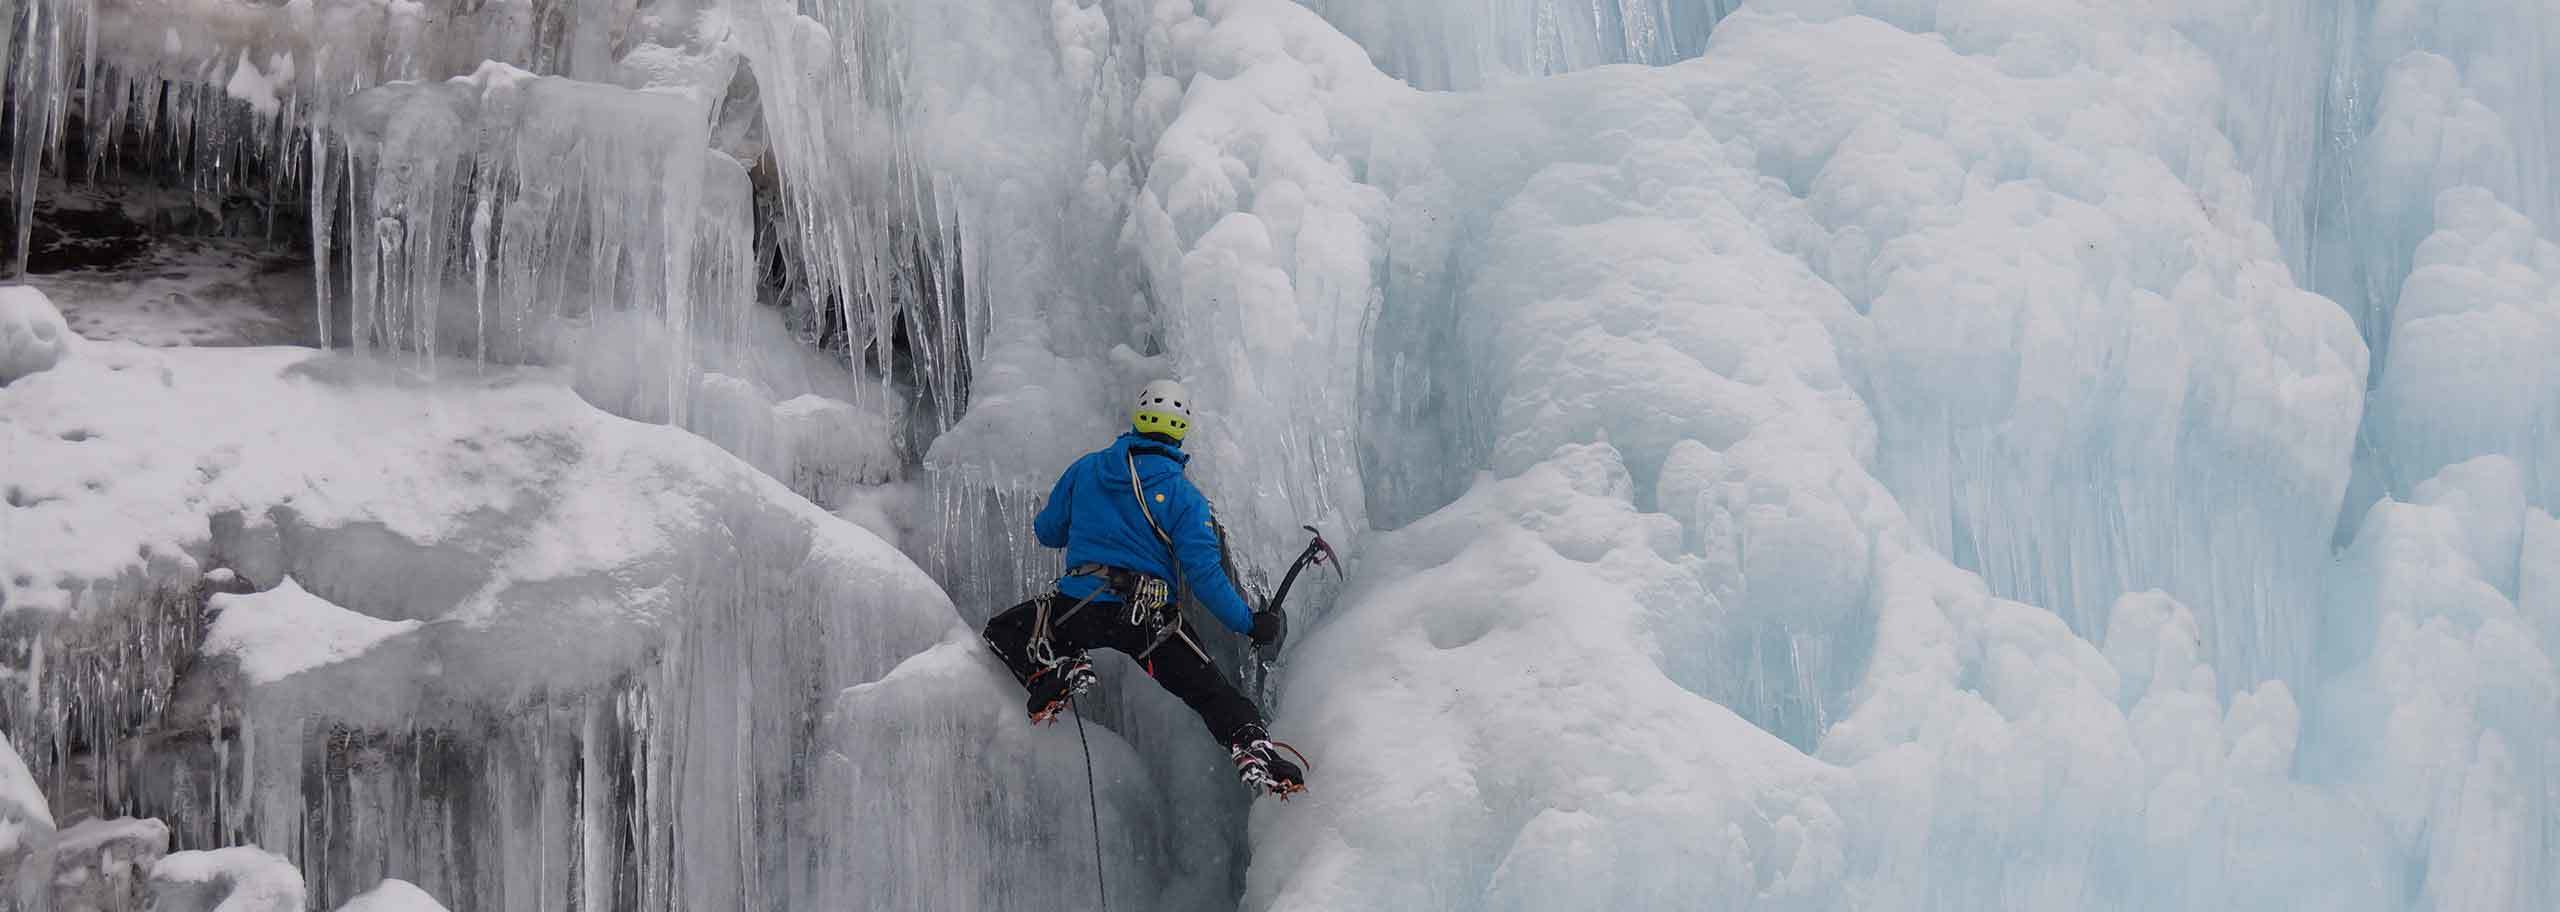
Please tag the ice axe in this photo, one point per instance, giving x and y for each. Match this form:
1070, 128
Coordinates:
1318, 551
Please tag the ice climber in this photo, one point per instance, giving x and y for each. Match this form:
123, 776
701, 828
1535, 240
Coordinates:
1138, 535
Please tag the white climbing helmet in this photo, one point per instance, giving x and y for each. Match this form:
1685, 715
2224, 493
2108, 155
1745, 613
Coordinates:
1164, 407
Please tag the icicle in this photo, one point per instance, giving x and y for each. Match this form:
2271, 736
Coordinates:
36, 95
322, 214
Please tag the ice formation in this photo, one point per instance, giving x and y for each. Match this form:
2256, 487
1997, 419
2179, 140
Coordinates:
1797, 454
606, 635
106, 864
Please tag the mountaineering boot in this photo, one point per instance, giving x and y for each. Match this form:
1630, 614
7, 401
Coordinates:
1260, 766
1052, 688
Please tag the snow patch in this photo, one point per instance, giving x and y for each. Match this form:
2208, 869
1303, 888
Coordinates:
287, 630
235, 879
394, 895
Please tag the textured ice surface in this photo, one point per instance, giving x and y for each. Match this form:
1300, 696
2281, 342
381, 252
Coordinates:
1515, 623
2470, 372
1931, 347
2443, 719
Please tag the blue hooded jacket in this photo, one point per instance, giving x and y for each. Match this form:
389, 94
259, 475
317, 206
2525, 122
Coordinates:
1094, 515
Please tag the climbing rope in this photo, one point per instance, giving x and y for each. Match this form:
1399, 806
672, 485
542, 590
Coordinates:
1094, 804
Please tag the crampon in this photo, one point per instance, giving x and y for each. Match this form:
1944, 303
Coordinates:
1055, 687
1261, 768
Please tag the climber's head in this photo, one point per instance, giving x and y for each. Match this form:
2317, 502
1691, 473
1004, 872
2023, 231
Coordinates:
1164, 407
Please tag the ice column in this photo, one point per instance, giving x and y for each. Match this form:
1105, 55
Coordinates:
497, 215
1466, 44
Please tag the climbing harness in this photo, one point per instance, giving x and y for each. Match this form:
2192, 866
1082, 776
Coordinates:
1171, 621
1148, 600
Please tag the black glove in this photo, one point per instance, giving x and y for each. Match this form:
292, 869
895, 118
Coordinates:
1270, 627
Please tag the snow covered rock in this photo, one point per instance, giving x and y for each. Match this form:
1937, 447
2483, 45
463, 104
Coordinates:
236, 879
104, 864
32, 334
394, 895
494, 575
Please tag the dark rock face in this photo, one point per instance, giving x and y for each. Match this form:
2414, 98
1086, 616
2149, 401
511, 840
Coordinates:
65, 239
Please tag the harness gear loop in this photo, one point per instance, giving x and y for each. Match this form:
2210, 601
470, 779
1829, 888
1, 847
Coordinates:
1038, 649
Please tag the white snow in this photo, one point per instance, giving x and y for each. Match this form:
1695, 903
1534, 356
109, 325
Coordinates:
285, 630
235, 879
32, 335
394, 895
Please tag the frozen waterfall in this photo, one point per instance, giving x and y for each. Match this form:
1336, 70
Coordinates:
1794, 454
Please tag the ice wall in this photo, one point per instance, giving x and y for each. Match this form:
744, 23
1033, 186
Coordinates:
1938, 338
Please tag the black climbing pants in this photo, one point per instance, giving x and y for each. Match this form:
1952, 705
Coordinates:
1106, 625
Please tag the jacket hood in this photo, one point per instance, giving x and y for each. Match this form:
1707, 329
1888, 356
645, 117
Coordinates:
1156, 460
